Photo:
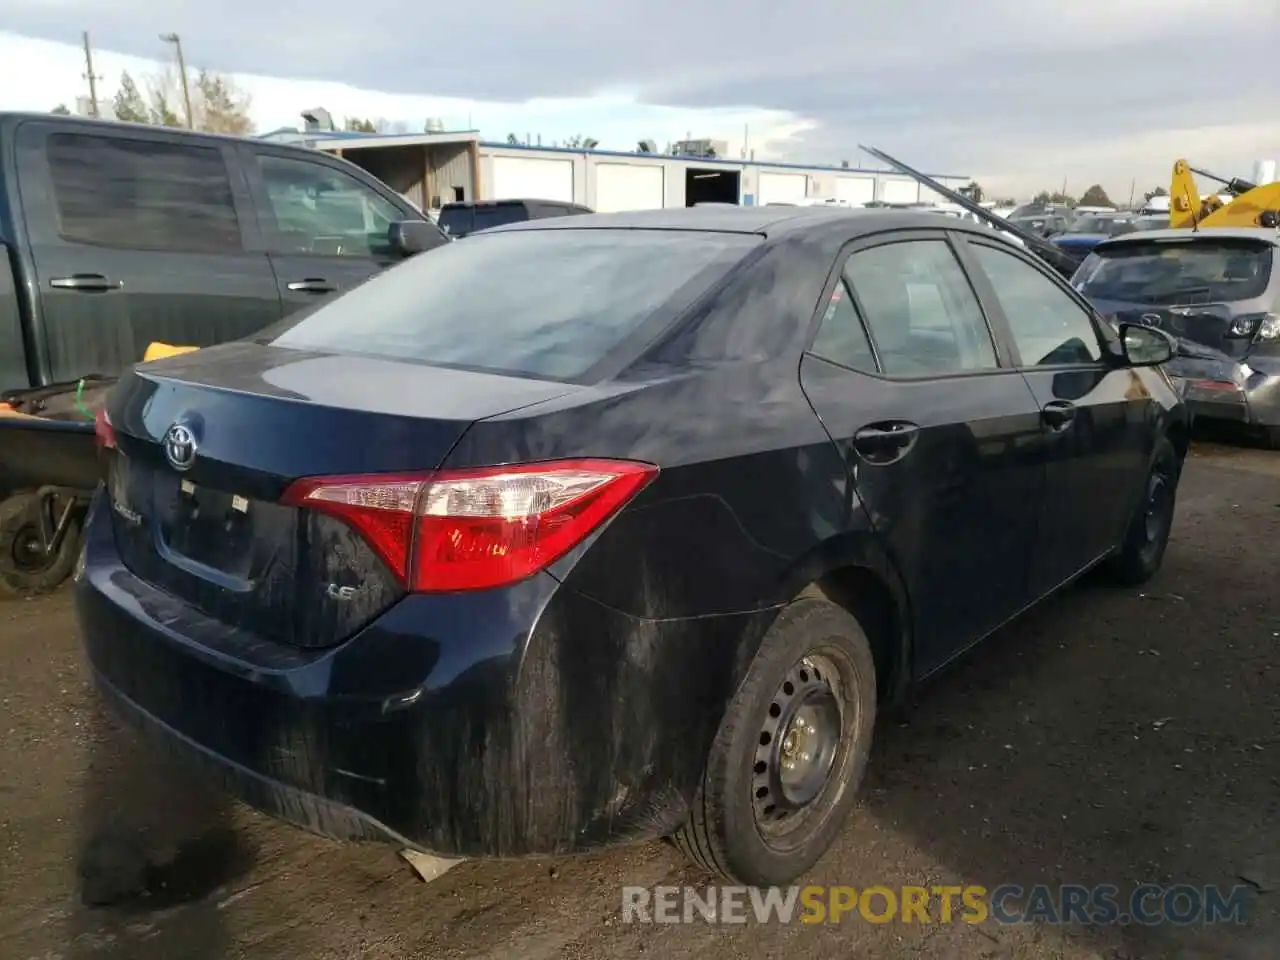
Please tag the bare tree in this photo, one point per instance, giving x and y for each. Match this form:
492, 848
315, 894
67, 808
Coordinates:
217, 105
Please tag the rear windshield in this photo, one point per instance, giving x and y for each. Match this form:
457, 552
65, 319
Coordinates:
1179, 271
543, 303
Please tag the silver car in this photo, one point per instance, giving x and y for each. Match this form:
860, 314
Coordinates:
1217, 290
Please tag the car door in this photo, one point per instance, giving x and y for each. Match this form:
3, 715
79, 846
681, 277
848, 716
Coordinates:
137, 236
1095, 413
939, 434
327, 227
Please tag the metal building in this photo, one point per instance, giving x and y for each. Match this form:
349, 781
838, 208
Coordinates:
438, 167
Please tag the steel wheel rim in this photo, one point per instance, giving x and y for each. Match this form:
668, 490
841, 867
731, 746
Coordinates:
26, 550
798, 746
1156, 517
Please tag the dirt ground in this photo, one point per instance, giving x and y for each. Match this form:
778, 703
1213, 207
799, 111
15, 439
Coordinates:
1113, 736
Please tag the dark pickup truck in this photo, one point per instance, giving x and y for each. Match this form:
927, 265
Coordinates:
114, 235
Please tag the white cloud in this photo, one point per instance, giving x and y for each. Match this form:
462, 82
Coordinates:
1020, 93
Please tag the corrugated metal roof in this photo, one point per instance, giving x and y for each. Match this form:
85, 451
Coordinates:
409, 139
725, 160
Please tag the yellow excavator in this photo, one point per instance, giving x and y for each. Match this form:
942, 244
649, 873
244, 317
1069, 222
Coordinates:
1250, 205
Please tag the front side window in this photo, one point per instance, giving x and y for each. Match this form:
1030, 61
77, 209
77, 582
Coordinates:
923, 316
138, 194
1048, 326
323, 211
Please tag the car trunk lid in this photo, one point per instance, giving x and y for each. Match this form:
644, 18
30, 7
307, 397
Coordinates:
207, 444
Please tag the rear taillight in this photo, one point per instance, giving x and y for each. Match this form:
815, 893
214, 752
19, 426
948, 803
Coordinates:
480, 528
103, 433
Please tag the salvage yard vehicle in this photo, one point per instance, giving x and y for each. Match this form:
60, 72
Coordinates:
466, 217
1217, 291
634, 542
114, 235
1086, 232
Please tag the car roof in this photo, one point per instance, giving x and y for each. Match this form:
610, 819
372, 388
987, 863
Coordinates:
1204, 233
766, 221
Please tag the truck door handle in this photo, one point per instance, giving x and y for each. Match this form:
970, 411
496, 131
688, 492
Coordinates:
311, 285
85, 281
885, 442
1058, 414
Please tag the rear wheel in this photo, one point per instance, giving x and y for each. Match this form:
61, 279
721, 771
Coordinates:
25, 568
785, 767
1142, 551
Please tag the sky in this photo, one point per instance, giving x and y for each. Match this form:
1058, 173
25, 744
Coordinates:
1020, 94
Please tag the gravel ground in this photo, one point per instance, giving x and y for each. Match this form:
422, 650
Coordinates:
1112, 736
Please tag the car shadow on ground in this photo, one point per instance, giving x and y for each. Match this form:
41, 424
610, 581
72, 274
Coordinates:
152, 841
1091, 745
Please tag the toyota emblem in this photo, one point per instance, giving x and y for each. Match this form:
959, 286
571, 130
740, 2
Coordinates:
1150, 319
180, 447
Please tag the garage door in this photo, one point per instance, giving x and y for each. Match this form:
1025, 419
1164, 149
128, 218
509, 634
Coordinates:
527, 178
855, 189
899, 191
782, 187
629, 186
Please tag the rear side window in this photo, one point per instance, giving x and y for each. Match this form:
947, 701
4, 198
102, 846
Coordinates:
924, 317
544, 303
142, 194
1177, 272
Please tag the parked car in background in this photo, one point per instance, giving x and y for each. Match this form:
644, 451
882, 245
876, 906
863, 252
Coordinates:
115, 235
597, 528
464, 218
1218, 292
1086, 232
1042, 225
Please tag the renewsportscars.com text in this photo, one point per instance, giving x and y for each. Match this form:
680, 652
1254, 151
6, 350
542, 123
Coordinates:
1147, 904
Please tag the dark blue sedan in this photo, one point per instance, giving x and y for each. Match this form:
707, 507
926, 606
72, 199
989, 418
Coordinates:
598, 528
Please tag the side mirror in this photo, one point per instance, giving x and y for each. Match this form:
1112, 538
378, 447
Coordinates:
1146, 346
409, 237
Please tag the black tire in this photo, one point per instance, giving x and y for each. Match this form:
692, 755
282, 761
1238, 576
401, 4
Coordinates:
25, 571
725, 834
1271, 438
1142, 551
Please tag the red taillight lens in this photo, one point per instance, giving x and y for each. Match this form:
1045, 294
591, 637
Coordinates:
103, 433
481, 528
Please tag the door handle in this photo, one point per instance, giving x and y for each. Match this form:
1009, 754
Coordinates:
85, 281
884, 443
311, 285
1058, 414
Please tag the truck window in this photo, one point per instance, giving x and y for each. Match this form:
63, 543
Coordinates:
139, 194
320, 210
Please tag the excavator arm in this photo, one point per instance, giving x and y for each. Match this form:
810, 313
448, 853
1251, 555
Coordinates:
1062, 262
1250, 206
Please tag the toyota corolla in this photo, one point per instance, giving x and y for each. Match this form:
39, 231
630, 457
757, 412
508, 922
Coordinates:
613, 527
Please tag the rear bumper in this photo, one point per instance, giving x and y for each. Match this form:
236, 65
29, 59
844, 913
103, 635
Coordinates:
524, 721
1246, 392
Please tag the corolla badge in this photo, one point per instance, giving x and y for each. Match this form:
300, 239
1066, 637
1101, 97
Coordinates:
1150, 319
180, 447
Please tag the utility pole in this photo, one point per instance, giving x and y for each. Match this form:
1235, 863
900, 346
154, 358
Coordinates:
1132, 186
92, 77
182, 72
